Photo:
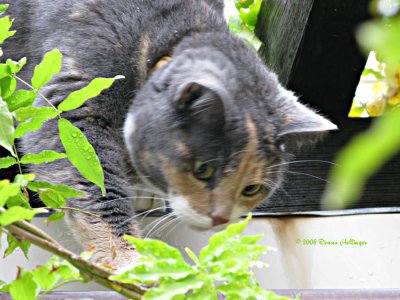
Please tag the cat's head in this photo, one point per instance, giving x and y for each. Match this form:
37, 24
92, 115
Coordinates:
210, 128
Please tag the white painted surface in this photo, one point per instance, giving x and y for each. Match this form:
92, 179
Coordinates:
374, 265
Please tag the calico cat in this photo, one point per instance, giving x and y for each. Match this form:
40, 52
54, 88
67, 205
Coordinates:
209, 129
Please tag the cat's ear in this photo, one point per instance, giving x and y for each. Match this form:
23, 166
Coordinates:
202, 103
300, 125
188, 94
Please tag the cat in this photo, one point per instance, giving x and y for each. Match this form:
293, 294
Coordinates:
211, 128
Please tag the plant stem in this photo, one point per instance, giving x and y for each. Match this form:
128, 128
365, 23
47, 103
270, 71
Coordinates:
39, 93
79, 210
17, 158
57, 286
87, 269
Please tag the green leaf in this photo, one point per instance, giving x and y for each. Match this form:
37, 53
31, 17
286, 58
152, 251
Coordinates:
56, 216
6, 128
20, 98
7, 86
362, 157
250, 15
31, 112
5, 25
169, 289
17, 213
50, 65
18, 200
192, 256
149, 272
7, 191
52, 198
220, 238
24, 179
3, 286
3, 8
67, 271
5, 71
155, 249
24, 288
37, 117
64, 190
243, 3
45, 156
6, 162
15, 66
13, 244
81, 153
93, 89
45, 277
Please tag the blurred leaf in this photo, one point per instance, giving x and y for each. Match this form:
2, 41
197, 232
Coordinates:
361, 158
20, 98
13, 244
249, 15
6, 128
66, 191
51, 198
81, 153
5, 25
50, 65
385, 8
243, 3
55, 217
93, 89
17, 213
24, 288
6, 162
45, 156
381, 36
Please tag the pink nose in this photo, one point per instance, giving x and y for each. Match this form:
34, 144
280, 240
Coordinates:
219, 221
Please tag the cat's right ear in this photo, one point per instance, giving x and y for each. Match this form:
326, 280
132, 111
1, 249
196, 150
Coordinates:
188, 94
201, 103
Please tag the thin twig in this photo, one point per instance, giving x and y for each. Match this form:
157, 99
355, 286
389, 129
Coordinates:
87, 269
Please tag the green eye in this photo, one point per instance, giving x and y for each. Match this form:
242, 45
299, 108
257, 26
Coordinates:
252, 190
202, 171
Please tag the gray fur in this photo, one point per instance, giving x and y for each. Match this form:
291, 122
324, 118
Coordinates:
99, 38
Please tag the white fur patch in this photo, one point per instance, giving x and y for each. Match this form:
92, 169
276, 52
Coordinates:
182, 209
129, 129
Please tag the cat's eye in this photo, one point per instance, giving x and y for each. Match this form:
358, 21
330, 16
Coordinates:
252, 190
202, 171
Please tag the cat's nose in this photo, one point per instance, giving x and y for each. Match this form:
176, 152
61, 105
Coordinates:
219, 220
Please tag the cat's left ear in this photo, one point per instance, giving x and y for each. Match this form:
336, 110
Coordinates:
300, 124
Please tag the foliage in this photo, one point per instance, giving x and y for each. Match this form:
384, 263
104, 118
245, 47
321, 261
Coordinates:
43, 279
222, 267
17, 118
366, 153
243, 22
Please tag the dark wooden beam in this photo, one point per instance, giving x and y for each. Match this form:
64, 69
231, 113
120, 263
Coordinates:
281, 26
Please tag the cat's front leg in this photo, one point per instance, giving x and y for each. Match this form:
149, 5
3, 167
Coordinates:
108, 217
